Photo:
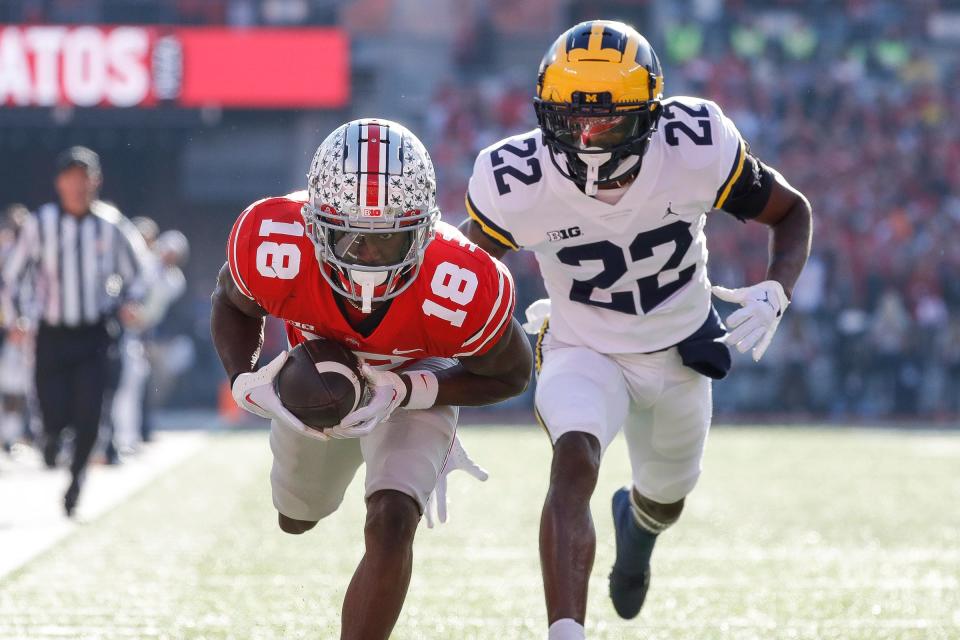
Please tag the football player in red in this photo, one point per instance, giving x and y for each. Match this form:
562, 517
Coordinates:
362, 258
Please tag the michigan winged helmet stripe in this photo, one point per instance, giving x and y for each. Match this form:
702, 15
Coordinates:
598, 69
497, 233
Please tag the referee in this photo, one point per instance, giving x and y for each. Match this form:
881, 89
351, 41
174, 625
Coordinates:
82, 260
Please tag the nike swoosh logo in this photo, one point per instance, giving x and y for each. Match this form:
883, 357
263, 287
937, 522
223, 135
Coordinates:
250, 400
400, 352
766, 298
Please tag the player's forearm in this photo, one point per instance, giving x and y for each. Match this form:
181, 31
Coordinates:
237, 337
459, 387
790, 245
500, 373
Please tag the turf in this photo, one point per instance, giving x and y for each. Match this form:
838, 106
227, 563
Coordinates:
792, 533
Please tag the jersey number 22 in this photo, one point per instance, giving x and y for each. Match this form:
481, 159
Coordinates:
614, 264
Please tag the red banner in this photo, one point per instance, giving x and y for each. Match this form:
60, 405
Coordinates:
129, 66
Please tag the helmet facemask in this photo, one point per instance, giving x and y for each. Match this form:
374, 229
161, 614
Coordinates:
371, 210
601, 142
369, 259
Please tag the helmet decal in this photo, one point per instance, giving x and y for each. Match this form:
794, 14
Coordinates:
371, 209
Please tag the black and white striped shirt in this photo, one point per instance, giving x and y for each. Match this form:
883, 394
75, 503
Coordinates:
79, 270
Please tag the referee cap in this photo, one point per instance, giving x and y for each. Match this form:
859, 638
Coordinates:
79, 157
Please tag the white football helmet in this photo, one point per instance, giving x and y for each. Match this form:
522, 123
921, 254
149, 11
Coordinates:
371, 209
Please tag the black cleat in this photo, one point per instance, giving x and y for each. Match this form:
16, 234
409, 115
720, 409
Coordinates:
51, 449
73, 495
111, 456
630, 576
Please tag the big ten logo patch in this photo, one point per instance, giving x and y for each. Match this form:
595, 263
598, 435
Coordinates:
563, 234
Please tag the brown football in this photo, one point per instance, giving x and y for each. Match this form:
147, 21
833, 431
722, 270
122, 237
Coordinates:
320, 383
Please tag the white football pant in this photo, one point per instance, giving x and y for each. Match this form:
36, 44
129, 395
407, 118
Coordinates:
406, 454
663, 407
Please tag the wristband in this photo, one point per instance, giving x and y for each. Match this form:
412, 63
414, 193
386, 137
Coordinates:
423, 389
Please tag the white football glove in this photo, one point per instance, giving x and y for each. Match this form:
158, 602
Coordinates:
254, 392
536, 314
753, 325
436, 510
387, 392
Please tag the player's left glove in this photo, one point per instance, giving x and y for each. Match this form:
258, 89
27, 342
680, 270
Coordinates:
753, 326
254, 392
458, 458
388, 392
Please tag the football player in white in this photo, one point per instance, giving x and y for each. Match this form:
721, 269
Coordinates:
611, 192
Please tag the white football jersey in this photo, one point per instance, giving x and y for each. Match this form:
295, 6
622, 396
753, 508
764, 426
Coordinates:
629, 277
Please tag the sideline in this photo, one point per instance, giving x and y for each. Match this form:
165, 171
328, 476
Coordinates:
31, 497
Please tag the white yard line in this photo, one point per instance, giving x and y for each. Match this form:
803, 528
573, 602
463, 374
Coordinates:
31, 498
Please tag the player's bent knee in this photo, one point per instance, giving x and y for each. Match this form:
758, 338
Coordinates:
666, 490
294, 526
392, 518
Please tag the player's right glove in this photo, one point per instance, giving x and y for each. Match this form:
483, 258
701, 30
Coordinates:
753, 325
458, 458
254, 392
389, 392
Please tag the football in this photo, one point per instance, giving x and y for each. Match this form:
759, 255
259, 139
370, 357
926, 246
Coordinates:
320, 383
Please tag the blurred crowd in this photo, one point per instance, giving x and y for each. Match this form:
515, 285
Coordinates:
853, 102
850, 99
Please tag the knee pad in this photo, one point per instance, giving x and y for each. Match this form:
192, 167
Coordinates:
664, 484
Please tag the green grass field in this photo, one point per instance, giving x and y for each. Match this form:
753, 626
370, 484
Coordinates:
792, 533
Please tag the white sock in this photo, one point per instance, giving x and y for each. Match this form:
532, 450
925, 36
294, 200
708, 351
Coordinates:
566, 629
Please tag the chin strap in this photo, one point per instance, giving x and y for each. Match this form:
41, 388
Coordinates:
627, 168
590, 188
368, 281
593, 162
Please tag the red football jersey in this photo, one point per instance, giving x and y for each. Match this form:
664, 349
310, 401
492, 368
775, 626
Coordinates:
459, 305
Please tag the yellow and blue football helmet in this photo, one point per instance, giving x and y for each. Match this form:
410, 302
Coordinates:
598, 101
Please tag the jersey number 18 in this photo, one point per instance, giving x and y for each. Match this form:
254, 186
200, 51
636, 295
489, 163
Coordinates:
279, 259
454, 284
